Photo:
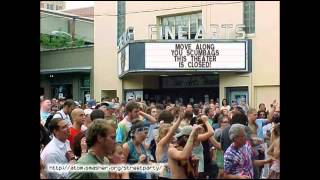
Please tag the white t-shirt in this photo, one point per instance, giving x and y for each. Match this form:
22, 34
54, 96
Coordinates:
66, 117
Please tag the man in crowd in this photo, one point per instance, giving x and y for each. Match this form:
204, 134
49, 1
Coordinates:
239, 158
179, 158
101, 142
58, 151
45, 107
65, 112
132, 108
78, 118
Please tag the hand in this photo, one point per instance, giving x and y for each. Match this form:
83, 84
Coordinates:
204, 118
83, 144
244, 177
142, 158
269, 160
70, 156
141, 113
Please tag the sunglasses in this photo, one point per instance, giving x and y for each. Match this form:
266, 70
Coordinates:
141, 129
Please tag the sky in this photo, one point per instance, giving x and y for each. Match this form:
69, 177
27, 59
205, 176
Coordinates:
78, 4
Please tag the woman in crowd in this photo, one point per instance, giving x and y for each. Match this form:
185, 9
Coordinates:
274, 153
117, 157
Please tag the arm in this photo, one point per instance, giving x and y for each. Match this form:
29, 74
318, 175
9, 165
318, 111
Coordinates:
215, 143
186, 152
207, 135
230, 176
126, 151
259, 163
125, 175
172, 130
149, 117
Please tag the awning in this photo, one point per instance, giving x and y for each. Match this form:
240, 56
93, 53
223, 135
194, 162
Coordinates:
66, 70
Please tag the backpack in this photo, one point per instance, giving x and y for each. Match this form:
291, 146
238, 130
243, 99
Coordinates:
152, 147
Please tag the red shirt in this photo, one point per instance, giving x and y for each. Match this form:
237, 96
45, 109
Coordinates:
73, 133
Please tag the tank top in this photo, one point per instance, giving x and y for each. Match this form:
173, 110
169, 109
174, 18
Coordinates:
198, 152
133, 158
164, 159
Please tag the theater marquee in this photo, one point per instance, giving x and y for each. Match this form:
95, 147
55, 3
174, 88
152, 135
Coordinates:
219, 56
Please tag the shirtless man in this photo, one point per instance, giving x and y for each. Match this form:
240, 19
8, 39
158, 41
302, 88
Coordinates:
182, 151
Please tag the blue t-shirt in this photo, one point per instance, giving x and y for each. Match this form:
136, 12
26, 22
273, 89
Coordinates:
44, 116
261, 123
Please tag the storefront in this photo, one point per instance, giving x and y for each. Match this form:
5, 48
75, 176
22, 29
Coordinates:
181, 68
206, 49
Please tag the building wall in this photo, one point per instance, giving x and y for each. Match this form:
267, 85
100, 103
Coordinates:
265, 43
264, 81
68, 58
105, 52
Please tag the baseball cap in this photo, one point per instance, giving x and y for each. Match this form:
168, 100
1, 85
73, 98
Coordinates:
77, 103
186, 130
87, 111
108, 105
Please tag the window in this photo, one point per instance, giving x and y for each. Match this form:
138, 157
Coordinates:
51, 6
121, 18
190, 22
249, 16
57, 7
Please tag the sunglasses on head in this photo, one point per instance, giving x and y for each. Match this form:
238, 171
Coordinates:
142, 129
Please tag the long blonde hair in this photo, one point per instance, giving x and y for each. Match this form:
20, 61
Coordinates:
163, 130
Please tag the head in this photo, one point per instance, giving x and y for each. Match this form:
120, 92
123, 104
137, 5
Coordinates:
96, 114
224, 102
132, 109
224, 122
239, 118
188, 115
262, 107
189, 108
237, 135
54, 101
68, 106
276, 131
87, 113
166, 117
117, 156
59, 128
163, 131
78, 116
183, 135
262, 115
45, 105
252, 115
139, 131
54, 108
225, 112
212, 106
153, 111
196, 109
101, 135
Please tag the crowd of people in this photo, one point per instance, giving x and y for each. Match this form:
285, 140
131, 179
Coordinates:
199, 141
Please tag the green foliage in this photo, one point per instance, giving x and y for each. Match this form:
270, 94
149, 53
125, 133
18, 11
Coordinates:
59, 41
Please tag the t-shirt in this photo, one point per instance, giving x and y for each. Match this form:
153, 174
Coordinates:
73, 133
66, 117
122, 130
44, 116
86, 160
225, 139
239, 161
261, 123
